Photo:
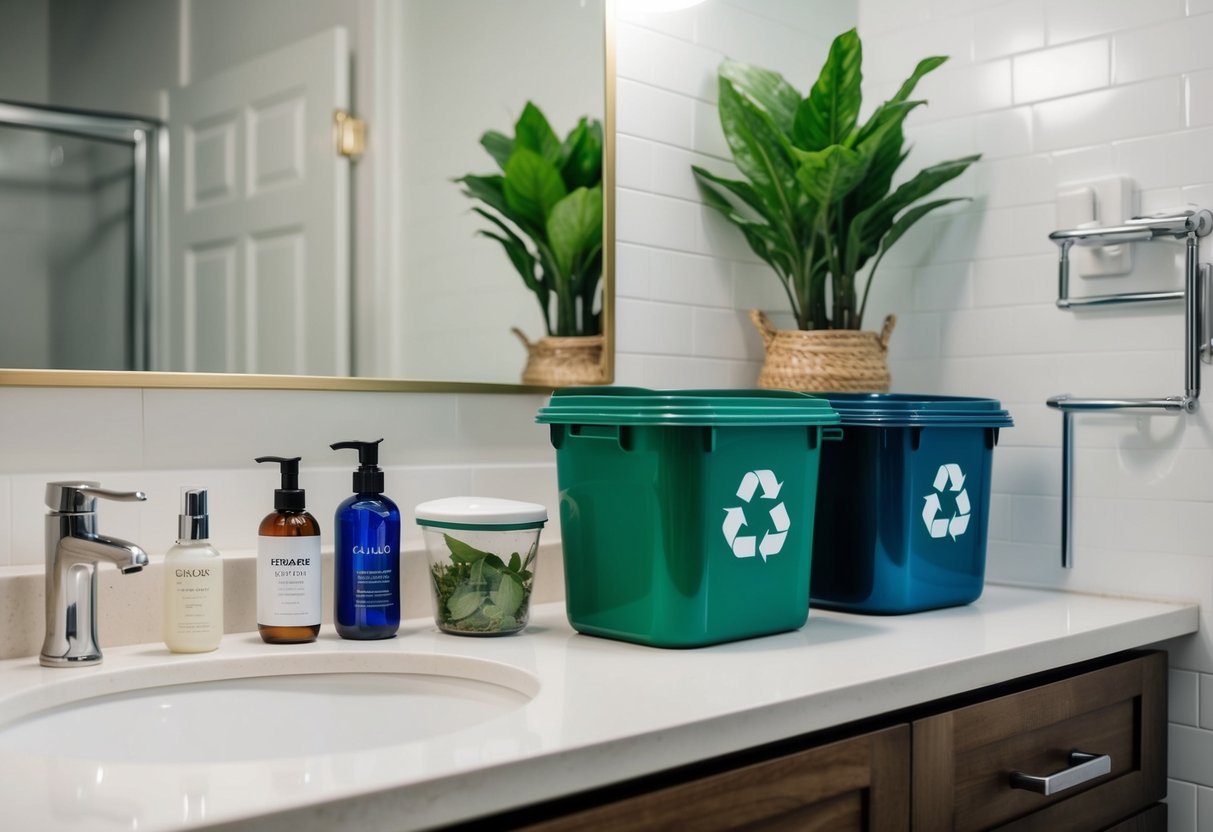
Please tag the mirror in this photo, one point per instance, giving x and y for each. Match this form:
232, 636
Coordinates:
250, 279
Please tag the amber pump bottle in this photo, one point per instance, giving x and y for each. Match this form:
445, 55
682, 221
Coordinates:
288, 564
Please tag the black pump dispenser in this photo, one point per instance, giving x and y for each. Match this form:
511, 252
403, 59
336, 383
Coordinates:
290, 497
368, 479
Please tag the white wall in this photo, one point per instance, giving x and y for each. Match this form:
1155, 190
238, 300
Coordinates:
115, 56
223, 33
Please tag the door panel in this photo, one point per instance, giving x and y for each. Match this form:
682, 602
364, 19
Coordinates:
259, 277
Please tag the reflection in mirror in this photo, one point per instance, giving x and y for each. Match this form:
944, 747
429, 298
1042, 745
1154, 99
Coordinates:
74, 197
260, 249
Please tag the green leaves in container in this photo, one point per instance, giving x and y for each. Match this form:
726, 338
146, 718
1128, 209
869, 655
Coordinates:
464, 602
462, 552
508, 595
480, 592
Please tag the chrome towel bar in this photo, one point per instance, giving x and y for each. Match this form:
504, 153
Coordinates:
1198, 341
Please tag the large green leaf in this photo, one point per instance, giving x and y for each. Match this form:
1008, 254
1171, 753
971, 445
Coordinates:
523, 263
923, 183
515, 249
533, 132
499, 147
882, 137
871, 191
762, 239
532, 186
765, 88
463, 552
760, 151
888, 116
580, 159
869, 226
745, 192
488, 189
829, 175
508, 595
924, 66
574, 226
899, 228
880, 140
830, 112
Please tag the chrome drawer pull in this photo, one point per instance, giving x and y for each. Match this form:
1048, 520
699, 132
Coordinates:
1084, 767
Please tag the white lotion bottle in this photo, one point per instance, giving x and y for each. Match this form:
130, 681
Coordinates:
193, 581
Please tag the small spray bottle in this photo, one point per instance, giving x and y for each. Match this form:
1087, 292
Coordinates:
193, 581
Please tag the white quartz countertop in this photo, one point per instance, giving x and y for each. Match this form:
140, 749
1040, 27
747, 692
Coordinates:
593, 711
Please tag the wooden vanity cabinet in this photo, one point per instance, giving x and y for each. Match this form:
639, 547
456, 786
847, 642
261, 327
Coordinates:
861, 783
963, 757
941, 767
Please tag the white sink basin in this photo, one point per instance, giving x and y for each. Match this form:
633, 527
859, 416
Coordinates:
313, 705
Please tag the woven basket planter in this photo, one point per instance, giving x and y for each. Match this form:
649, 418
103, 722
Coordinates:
562, 361
824, 360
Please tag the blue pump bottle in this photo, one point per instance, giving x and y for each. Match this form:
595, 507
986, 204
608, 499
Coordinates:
366, 577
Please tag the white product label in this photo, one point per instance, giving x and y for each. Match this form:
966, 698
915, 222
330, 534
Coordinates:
194, 605
288, 581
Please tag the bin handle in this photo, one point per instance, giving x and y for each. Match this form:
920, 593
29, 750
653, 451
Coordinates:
595, 431
831, 434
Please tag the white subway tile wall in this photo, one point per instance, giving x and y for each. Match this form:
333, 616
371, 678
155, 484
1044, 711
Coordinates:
435, 445
1181, 805
1051, 92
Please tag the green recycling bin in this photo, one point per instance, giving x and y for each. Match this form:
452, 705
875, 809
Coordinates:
686, 515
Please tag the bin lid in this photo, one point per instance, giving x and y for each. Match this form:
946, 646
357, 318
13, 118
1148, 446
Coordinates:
641, 406
480, 513
910, 409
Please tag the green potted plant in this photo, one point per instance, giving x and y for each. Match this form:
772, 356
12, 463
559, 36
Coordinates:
545, 206
817, 203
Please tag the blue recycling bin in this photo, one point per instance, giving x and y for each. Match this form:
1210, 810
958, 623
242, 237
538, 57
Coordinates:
903, 502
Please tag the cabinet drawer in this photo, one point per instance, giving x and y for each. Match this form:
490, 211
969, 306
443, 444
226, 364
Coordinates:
854, 784
964, 758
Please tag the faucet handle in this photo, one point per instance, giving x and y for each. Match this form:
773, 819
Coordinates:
80, 497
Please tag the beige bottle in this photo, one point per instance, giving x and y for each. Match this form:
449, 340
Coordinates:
193, 581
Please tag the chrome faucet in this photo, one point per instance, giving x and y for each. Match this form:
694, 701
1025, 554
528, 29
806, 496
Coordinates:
73, 550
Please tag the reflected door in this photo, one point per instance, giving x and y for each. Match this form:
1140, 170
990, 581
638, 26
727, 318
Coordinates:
259, 270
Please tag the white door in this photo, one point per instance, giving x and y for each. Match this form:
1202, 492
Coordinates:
259, 217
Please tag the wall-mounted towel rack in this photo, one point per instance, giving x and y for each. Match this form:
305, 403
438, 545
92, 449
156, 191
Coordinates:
1189, 226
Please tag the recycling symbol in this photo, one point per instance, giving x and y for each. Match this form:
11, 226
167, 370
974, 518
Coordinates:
747, 545
949, 479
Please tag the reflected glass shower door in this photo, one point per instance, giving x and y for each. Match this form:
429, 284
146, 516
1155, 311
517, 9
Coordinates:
75, 239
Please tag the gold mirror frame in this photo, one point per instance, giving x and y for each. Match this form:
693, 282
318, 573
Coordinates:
250, 381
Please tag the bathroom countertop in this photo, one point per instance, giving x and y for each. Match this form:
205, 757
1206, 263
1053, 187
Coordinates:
593, 711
